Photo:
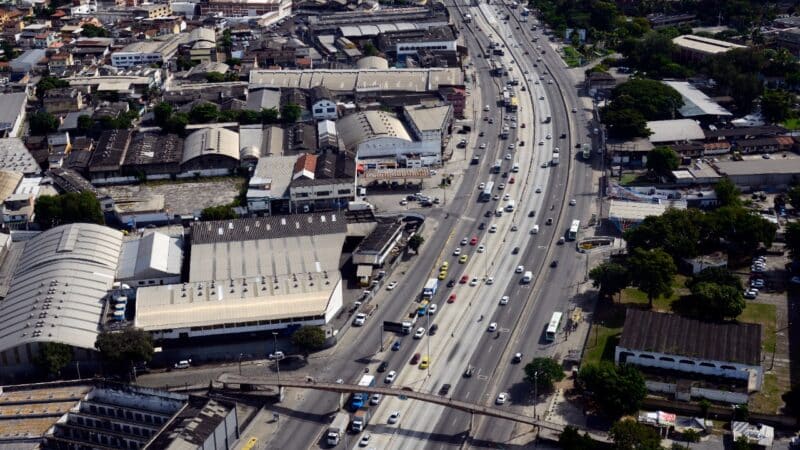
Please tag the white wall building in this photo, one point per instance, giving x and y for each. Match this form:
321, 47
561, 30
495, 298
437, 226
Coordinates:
377, 134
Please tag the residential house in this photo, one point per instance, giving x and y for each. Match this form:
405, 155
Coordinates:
323, 104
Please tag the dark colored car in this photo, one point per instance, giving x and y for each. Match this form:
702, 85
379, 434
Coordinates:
383, 366
415, 358
451, 283
515, 251
554, 263
481, 226
433, 329
444, 389
396, 346
532, 213
468, 373
487, 214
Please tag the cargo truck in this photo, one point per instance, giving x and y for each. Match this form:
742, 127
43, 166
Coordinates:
430, 288
360, 399
360, 420
403, 327
338, 428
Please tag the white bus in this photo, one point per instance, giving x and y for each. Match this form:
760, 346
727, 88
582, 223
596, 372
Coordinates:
552, 327
573, 230
486, 194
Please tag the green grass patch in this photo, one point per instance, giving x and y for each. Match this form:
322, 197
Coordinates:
601, 344
768, 400
572, 57
633, 296
792, 124
765, 315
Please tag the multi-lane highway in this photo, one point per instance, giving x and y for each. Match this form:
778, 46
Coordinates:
463, 339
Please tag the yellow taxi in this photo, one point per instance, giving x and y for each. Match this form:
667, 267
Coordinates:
463, 259
443, 275
426, 361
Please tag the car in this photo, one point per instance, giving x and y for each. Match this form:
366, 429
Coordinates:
481, 226
519, 269
532, 213
364, 440
481, 186
501, 398
360, 319
474, 240
757, 269
496, 197
481, 248
549, 136
538, 189
561, 240
506, 197
491, 119
544, 165
522, 125
493, 228
396, 346
375, 399
390, 377
464, 279
444, 389
481, 134
433, 329
391, 285
492, 327
393, 417
563, 136
541, 142
512, 180
451, 298
750, 294
183, 364
432, 308
486, 108
515, 251
488, 213
554, 263
419, 333
574, 110
403, 202
511, 146
473, 281
464, 241
445, 265
757, 283
425, 363
541, 97
517, 358
514, 228
442, 275
482, 146
457, 251
490, 280
535, 229
573, 202
508, 157
463, 259
501, 186
504, 300
549, 221
277, 355
415, 358
469, 371
795, 280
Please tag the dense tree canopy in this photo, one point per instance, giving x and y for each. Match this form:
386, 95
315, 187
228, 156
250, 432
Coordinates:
121, 349
652, 272
222, 212
630, 435
308, 339
53, 356
543, 373
290, 112
776, 105
661, 161
42, 122
792, 238
204, 113
47, 83
716, 301
90, 30
614, 390
728, 194
54, 210
718, 275
742, 229
610, 277
572, 439
654, 99
681, 233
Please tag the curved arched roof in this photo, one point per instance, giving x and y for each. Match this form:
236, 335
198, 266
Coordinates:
363, 126
211, 141
372, 62
57, 289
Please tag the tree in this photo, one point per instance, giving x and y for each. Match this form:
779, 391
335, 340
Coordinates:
717, 275
215, 77
741, 412
42, 123
717, 302
727, 192
661, 161
652, 271
204, 113
776, 105
85, 123
47, 83
370, 50
610, 277
177, 123
615, 391
741, 443
53, 356
162, 113
653, 99
544, 373
415, 242
681, 233
792, 238
742, 229
571, 439
222, 212
53, 210
794, 196
247, 117
290, 112
630, 435
704, 406
93, 31
308, 339
691, 436
8, 50
269, 115
121, 349
625, 123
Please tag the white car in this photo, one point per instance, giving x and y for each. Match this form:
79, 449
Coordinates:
504, 300
492, 327
501, 398
419, 333
481, 248
403, 202
490, 280
364, 440
391, 285
496, 197
535, 229
520, 269
390, 377
473, 281
375, 399
482, 146
432, 308
512, 146
457, 251
508, 156
549, 137
277, 355
464, 241
481, 186
507, 197
486, 108
359, 319
574, 110
493, 228
501, 186
573, 202
393, 418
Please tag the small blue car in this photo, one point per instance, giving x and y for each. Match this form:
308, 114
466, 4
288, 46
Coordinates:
396, 346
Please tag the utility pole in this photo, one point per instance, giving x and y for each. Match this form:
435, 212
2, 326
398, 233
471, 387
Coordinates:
275, 353
428, 320
535, 393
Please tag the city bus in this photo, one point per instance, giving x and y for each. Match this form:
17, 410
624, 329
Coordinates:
486, 194
573, 230
552, 327
587, 151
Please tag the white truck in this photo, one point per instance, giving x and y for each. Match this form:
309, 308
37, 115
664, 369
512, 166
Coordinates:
360, 420
338, 428
527, 277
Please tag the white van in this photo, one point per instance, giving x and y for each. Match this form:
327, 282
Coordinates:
515, 167
510, 206
527, 277
498, 212
535, 229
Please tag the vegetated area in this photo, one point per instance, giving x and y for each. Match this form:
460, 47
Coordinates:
757, 78
654, 275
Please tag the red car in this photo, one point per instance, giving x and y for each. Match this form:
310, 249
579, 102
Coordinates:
414, 359
452, 298
474, 240
464, 279
511, 180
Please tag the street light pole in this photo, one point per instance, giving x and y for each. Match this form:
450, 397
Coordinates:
535, 393
428, 320
275, 352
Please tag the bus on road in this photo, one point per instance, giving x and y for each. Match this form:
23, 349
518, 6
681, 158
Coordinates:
552, 327
486, 194
587, 151
573, 230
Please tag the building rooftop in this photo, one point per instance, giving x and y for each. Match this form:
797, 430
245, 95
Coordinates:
8, 183
352, 80
372, 62
154, 255
71, 266
678, 130
15, 157
193, 425
111, 150
428, 118
380, 235
264, 98
638, 211
211, 141
705, 45
271, 177
759, 166
362, 126
677, 335
393, 37
695, 102
261, 141
154, 148
745, 132
274, 227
